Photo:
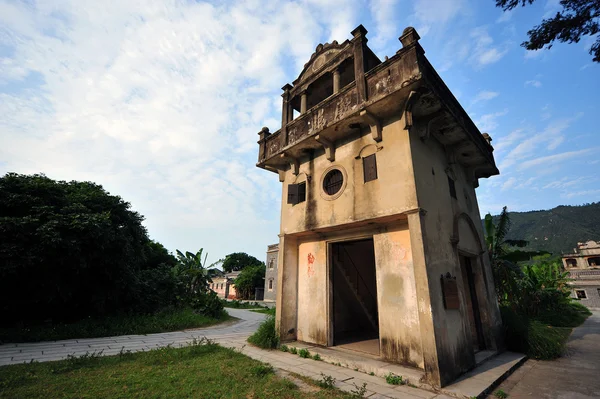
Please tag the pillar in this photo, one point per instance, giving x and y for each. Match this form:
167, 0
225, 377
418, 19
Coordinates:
336, 81
303, 99
359, 43
287, 288
285, 113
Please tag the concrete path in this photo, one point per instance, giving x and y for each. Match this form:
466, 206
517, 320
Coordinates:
57, 350
574, 376
231, 336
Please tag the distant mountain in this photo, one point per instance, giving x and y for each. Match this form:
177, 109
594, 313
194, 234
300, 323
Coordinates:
557, 230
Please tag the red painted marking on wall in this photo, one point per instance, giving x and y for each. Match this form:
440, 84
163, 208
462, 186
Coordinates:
311, 260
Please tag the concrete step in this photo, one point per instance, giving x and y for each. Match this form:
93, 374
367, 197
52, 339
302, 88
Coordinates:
480, 381
362, 362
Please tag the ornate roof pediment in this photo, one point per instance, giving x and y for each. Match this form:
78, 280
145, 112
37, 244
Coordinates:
321, 57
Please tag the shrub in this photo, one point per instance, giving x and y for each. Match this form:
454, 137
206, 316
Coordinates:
262, 370
394, 379
304, 353
326, 381
266, 336
359, 391
284, 348
208, 304
533, 337
546, 342
316, 357
293, 350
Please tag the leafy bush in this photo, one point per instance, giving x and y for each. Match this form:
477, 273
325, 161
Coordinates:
284, 348
293, 350
266, 336
208, 304
250, 278
394, 379
304, 353
327, 381
262, 370
316, 357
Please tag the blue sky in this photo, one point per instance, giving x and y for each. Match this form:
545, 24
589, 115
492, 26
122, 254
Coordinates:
161, 101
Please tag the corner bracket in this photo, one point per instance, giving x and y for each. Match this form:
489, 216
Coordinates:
328, 145
374, 123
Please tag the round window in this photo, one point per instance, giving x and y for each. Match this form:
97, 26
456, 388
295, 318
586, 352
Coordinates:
333, 181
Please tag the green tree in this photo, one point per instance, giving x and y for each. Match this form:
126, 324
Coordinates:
239, 260
194, 270
250, 278
157, 255
576, 19
506, 272
67, 250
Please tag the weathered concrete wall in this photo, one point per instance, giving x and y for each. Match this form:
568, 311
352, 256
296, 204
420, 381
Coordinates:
399, 332
393, 192
287, 288
445, 220
312, 292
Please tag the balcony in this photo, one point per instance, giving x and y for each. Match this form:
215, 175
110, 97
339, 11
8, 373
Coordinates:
404, 84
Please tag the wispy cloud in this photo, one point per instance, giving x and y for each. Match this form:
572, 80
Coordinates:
160, 102
534, 83
509, 183
485, 95
485, 51
552, 159
489, 122
536, 142
581, 193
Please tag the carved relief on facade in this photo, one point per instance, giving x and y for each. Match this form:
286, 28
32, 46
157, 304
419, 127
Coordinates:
273, 145
343, 106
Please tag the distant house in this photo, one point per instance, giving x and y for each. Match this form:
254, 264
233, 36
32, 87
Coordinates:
224, 285
271, 273
583, 266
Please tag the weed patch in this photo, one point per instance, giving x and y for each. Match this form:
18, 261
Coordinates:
326, 381
266, 336
304, 353
394, 379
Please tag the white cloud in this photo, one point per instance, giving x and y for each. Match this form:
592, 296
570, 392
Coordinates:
485, 95
506, 16
509, 183
434, 14
160, 102
536, 142
552, 159
582, 193
488, 122
534, 83
485, 51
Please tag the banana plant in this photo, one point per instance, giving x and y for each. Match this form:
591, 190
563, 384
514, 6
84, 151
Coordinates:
194, 268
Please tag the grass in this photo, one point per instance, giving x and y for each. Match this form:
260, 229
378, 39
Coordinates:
394, 379
264, 311
242, 305
203, 370
163, 321
265, 336
545, 336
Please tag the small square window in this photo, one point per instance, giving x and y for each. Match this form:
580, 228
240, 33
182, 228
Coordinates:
370, 168
296, 193
452, 187
580, 294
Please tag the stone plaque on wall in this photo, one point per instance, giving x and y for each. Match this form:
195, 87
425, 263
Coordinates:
450, 292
